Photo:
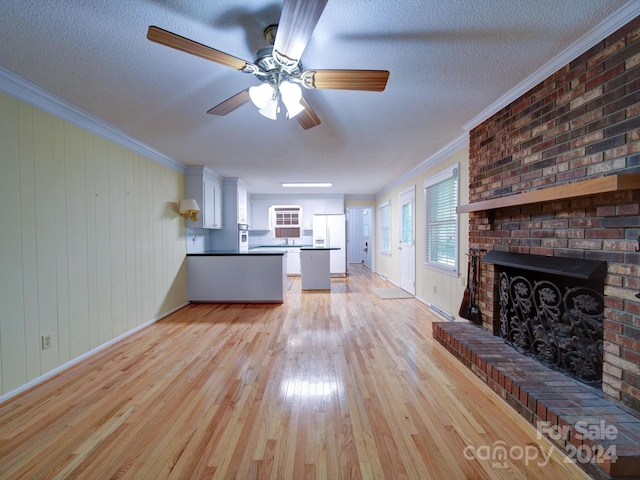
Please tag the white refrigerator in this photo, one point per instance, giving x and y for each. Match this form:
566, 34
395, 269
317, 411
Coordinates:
331, 231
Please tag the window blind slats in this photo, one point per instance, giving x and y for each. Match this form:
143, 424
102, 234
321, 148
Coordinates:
441, 200
385, 217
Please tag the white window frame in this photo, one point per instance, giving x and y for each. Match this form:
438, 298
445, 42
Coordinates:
291, 210
450, 267
385, 229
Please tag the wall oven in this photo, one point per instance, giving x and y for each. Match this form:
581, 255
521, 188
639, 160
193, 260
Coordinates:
243, 237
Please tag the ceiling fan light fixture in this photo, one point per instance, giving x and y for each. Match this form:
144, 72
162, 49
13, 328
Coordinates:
261, 94
270, 110
278, 65
291, 95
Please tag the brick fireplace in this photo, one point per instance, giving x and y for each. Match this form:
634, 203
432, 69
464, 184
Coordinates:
554, 177
555, 173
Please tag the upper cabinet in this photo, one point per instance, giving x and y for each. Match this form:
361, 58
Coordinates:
325, 206
320, 206
236, 202
243, 203
212, 212
206, 188
260, 218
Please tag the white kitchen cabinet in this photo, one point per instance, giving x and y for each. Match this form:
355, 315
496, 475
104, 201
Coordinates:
307, 214
328, 206
205, 187
243, 203
236, 202
236, 278
293, 261
293, 257
212, 211
320, 206
260, 216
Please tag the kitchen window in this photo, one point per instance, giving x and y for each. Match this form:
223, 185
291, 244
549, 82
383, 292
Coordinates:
286, 220
385, 229
441, 200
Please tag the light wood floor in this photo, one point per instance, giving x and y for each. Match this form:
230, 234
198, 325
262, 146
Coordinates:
327, 385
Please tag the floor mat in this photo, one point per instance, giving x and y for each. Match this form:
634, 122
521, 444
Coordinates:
391, 293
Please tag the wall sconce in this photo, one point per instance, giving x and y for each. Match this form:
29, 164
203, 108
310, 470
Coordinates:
189, 208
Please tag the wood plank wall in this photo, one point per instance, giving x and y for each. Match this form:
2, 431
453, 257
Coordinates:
91, 245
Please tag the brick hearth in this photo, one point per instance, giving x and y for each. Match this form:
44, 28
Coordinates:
540, 394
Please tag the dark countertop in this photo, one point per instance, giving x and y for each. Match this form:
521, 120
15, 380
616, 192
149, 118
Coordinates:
219, 253
280, 246
320, 248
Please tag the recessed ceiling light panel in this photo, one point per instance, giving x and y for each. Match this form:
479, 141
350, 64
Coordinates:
307, 184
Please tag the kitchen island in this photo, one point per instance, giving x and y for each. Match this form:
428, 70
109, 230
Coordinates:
315, 272
231, 276
293, 255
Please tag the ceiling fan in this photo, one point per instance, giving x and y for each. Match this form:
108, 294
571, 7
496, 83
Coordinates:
278, 66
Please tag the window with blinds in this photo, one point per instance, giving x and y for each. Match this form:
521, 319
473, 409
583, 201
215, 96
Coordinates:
385, 227
286, 220
441, 200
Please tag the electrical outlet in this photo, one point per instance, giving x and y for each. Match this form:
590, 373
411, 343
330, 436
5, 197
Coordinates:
46, 341
435, 289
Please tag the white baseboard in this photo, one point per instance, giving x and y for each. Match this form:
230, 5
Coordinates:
57, 370
387, 279
437, 310
442, 313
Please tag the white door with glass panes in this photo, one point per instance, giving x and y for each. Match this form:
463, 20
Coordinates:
407, 246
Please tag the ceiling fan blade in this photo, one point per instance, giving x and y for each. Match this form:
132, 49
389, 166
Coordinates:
169, 39
369, 80
297, 21
307, 118
230, 104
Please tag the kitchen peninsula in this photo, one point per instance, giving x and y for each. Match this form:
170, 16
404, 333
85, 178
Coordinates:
237, 277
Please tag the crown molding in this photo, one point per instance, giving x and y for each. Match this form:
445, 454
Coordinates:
25, 91
359, 198
454, 146
608, 26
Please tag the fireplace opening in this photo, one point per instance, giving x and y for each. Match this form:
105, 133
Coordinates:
552, 309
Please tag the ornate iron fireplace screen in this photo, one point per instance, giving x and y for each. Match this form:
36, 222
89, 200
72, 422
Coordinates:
554, 317
561, 330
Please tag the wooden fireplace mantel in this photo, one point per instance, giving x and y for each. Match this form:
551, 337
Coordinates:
611, 183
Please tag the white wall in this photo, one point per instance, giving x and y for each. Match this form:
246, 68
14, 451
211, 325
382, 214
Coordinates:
91, 245
448, 289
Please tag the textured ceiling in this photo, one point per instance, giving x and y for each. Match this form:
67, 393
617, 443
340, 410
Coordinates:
449, 61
